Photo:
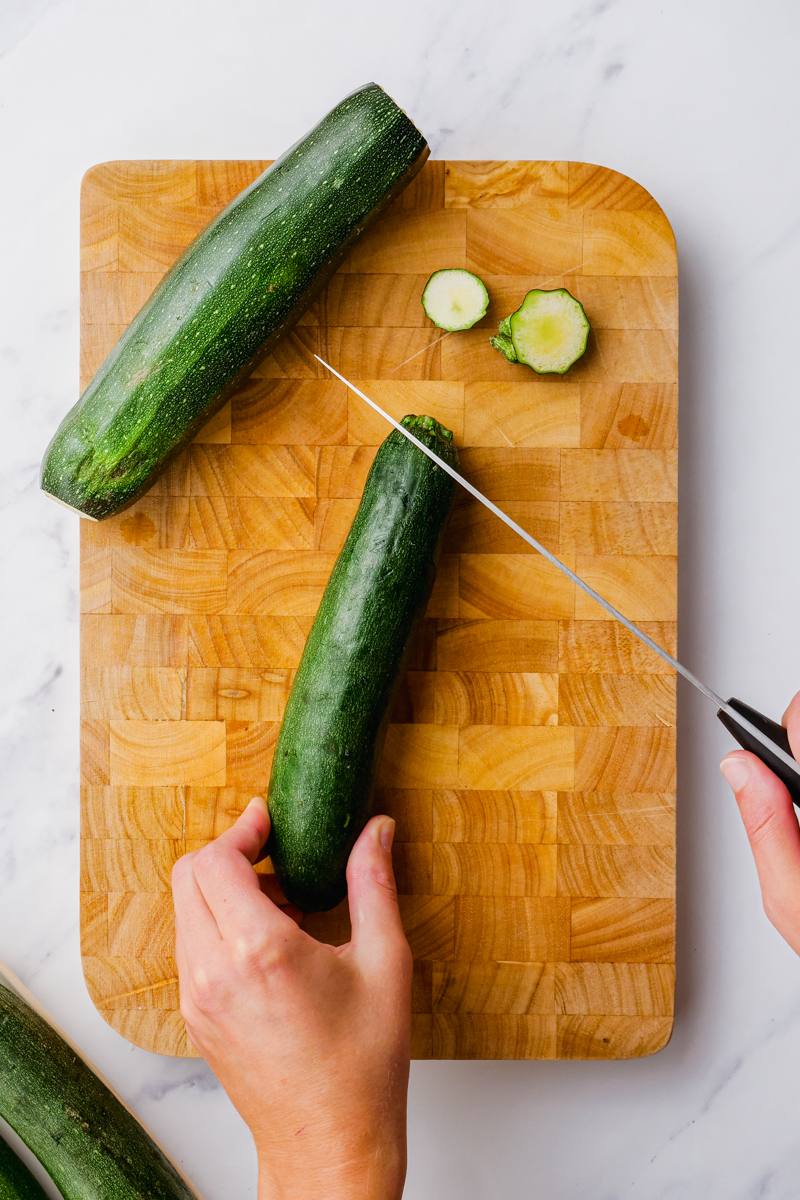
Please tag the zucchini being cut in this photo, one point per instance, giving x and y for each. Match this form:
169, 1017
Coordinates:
548, 332
455, 299
337, 713
241, 283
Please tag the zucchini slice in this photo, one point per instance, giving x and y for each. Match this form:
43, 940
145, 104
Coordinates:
548, 332
455, 299
244, 280
331, 739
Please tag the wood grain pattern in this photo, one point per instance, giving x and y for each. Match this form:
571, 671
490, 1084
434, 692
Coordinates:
470, 869
473, 529
616, 819
490, 816
622, 930
530, 759
494, 987
618, 989
522, 414
148, 753
129, 812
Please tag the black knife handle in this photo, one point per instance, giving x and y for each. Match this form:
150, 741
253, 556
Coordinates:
775, 732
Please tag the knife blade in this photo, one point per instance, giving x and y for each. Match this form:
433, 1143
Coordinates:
760, 735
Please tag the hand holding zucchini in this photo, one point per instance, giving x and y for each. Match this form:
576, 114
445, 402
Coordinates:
336, 716
548, 332
241, 283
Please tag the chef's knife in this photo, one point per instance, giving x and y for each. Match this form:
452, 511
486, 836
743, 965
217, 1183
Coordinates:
763, 737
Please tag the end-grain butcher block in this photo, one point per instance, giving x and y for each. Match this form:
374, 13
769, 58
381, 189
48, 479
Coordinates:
530, 763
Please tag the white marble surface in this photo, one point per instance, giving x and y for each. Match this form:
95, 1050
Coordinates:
699, 101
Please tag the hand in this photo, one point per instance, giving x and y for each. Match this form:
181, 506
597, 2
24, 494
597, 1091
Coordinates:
310, 1041
769, 818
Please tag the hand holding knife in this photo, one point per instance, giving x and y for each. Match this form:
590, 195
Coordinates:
760, 735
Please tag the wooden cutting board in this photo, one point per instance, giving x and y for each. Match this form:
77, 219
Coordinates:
530, 764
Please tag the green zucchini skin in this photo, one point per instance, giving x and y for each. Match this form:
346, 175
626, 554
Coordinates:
16, 1181
334, 726
243, 281
87, 1141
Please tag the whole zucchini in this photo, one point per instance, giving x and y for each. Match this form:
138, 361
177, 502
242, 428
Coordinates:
241, 283
92, 1147
336, 716
16, 1181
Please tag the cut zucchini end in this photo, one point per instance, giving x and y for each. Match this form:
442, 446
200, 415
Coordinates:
549, 331
504, 344
414, 423
454, 299
64, 504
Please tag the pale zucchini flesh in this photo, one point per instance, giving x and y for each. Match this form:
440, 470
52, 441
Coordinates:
548, 332
455, 299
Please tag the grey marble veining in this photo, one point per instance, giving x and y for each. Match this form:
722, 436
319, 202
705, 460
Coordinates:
698, 101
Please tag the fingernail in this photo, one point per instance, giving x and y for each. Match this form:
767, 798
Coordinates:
736, 771
386, 833
258, 800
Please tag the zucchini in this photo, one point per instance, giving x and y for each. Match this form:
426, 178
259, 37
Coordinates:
455, 299
334, 726
89, 1143
548, 332
243, 281
16, 1181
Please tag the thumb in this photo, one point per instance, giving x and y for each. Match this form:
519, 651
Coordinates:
372, 894
769, 819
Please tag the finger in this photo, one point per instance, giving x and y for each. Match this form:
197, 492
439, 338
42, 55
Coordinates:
194, 921
270, 887
372, 896
249, 833
184, 974
769, 819
791, 720
181, 961
230, 886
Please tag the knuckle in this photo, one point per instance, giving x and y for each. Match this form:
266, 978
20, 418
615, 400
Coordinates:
207, 992
387, 884
187, 1008
183, 866
247, 950
254, 954
208, 855
208, 861
378, 877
